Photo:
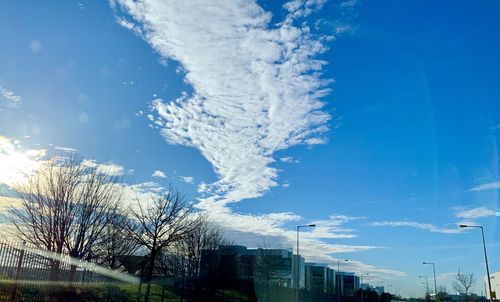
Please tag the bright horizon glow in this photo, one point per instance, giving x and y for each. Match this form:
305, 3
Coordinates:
17, 164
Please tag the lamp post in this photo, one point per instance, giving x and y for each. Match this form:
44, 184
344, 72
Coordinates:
297, 283
426, 284
434, 271
338, 272
485, 256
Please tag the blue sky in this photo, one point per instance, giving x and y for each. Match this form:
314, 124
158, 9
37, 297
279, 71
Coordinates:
379, 121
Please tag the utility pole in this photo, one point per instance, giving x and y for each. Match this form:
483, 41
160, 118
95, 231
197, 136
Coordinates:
434, 271
492, 293
297, 279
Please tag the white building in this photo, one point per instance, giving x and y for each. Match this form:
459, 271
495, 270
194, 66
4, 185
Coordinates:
495, 284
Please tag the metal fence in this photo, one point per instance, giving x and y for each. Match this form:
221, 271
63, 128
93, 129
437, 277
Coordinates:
23, 267
19, 261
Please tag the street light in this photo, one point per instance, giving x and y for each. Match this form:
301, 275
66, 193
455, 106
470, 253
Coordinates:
434, 271
338, 271
426, 284
298, 258
485, 256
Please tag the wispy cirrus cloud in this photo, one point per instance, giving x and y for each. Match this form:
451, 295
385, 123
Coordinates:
252, 230
495, 185
257, 86
9, 95
417, 225
446, 276
472, 213
65, 149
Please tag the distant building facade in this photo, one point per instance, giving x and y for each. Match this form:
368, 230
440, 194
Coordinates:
347, 283
298, 272
495, 285
276, 267
269, 266
319, 278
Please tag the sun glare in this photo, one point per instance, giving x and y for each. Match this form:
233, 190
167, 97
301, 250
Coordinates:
17, 164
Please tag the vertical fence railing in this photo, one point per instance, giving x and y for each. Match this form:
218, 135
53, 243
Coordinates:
24, 265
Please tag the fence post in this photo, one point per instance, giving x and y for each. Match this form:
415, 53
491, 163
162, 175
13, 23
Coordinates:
20, 262
18, 273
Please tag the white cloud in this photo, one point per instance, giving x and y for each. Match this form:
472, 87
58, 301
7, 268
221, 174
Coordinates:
257, 89
187, 179
302, 8
66, 149
257, 86
9, 95
333, 227
17, 163
467, 213
487, 186
106, 168
252, 230
446, 276
289, 159
159, 173
412, 224
349, 3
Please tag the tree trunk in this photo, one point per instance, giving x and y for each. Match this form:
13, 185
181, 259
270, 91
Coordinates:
72, 272
54, 270
149, 275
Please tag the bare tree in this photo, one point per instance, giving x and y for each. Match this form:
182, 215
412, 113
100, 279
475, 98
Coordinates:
48, 202
463, 283
166, 219
115, 244
64, 209
205, 236
98, 198
441, 293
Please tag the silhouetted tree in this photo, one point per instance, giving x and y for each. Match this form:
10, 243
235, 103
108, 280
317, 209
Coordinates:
98, 200
205, 236
159, 223
115, 245
441, 293
463, 283
64, 208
